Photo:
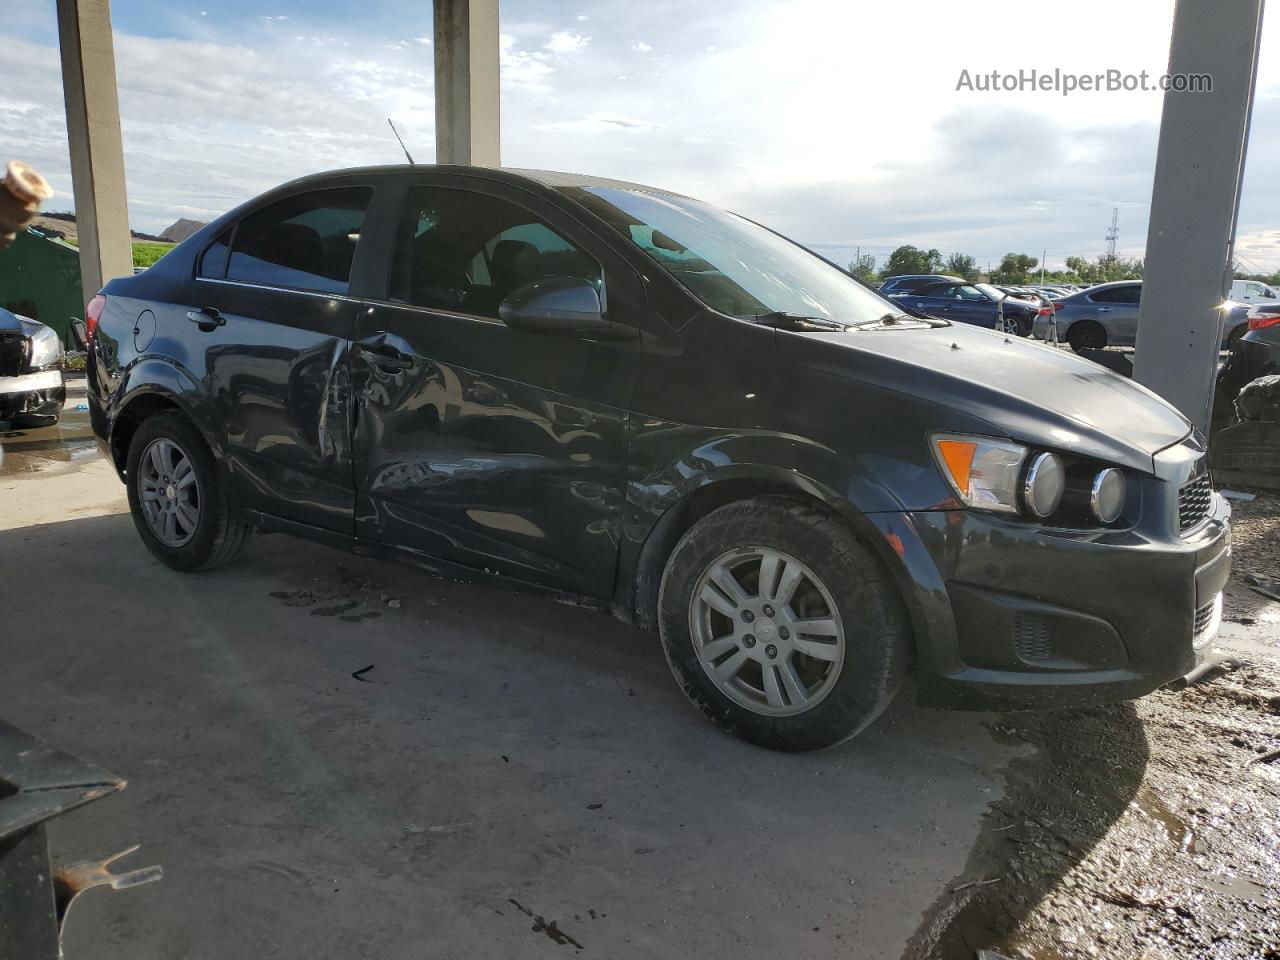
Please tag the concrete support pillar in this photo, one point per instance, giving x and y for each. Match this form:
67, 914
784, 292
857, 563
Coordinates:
1195, 202
467, 109
97, 153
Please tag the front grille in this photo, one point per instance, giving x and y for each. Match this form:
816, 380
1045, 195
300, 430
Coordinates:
13, 354
1031, 637
1194, 501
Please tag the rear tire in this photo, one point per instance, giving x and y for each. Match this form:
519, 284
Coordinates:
1087, 335
802, 644
180, 499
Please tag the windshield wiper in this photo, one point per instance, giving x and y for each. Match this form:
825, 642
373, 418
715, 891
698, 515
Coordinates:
781, 320
897, 319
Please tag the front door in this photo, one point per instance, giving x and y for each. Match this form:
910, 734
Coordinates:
271, 316
496, 448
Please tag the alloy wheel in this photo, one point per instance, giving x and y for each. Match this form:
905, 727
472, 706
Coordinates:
169, 492
766, 631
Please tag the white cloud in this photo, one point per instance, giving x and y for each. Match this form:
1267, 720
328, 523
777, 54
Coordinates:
599, 123
862, 145
563, 41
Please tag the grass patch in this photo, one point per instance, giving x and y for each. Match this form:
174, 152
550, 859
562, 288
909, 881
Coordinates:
145, 253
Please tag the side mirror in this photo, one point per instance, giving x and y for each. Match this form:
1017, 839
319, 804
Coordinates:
563, 305
79, 334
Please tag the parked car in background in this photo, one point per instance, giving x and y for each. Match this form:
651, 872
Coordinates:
631, 398
1106, 315
1024, 293
978, 304
32, 391
913, 281
1253, 292
1254, 354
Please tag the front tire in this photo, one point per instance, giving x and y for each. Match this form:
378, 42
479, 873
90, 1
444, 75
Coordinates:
181, 501
780, 626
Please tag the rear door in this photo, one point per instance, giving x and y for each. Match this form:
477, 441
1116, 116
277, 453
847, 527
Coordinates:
495, 448
934, 299
1117, 309
271, 314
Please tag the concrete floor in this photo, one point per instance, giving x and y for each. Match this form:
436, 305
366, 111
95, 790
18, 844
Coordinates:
512, 778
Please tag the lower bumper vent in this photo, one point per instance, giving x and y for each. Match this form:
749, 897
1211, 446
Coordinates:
1032, 637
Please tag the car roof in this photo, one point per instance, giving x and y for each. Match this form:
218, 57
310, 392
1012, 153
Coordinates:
549, 178
1110, 283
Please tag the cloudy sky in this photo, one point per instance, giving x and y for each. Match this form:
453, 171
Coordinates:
837, 122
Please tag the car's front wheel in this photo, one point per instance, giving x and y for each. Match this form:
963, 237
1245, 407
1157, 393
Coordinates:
181, 502
781, 626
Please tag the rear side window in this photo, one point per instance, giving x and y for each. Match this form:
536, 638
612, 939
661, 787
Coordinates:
1118, 295
213, 262
305, 242
465, 252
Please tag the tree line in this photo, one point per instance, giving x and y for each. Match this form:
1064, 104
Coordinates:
1014, 269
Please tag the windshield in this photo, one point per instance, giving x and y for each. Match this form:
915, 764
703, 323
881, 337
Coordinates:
731, 264
991, 292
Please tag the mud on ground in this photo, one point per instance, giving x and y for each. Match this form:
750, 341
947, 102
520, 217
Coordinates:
1143, 830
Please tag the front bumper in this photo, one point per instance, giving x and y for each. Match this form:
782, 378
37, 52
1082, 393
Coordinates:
1015, 616
32, 394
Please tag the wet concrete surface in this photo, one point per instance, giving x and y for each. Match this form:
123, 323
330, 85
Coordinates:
468, 773
49, 449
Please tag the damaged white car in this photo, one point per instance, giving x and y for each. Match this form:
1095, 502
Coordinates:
32, 390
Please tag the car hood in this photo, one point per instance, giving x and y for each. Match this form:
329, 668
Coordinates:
16, 323
1027, 391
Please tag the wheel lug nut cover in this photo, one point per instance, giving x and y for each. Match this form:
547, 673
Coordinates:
748, 616
771, 650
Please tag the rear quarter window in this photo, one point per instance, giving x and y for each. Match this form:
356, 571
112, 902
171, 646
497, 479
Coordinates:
304, 242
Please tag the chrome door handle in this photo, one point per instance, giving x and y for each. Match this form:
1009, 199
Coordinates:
206, 318
384, 355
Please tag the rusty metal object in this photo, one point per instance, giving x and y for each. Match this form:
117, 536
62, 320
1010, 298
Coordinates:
37, 784
74, 879
24, 191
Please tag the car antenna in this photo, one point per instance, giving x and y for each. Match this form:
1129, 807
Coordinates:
402, 146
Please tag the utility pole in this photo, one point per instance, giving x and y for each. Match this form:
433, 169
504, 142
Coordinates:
93, 134
467, 100
1043, 257
1195, 202
1113, 234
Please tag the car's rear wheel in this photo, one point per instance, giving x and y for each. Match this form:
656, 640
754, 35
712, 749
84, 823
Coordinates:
780, 626
181, 501
1087, 335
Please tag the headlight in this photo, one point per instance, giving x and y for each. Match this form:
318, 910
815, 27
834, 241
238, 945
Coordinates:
1044, 485
46, 348
982, 471
1107, 496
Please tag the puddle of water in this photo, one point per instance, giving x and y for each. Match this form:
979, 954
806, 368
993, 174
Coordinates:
1242, 888
35, 450
1174, 827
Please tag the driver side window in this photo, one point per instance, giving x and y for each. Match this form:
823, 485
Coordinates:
466, 252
